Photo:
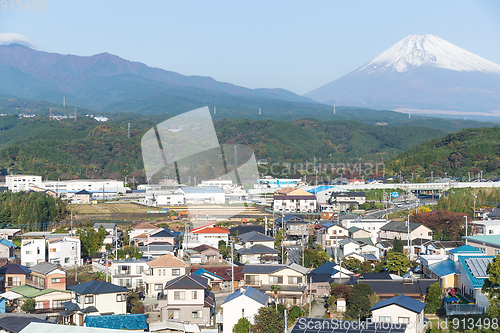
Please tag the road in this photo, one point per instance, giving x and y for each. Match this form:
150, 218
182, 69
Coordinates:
294, 254
381, 213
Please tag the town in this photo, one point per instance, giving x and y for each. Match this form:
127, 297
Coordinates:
303, 251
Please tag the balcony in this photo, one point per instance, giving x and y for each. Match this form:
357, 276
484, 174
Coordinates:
253, 283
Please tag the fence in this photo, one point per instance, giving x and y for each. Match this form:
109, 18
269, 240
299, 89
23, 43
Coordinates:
464, 309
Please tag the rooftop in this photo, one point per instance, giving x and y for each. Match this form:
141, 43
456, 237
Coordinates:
493, 240
167, 260
249, 292
400, 226
188, 281
445, 267
201, 189
97, 287
465, 249
476, 281
254, 236
44, 268
402, 301
118, 322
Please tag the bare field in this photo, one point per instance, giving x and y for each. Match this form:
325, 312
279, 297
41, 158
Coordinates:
108, 208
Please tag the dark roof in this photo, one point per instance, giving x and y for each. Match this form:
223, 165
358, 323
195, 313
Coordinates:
400, 226
376, 276
223, 271
294, 197
17, 323
256, 249
450, 244
245, 228
14, 269
261, 268
104, 225
97, 287
83, 192
254, 236
392, 287
188, 281
387, 243
204, 247
315, 278
118, 322
44, 268
249, 292
289, 218
348, 194
403, 301
165, 233
326, 268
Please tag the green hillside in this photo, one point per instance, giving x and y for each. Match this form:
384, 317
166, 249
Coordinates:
469, 150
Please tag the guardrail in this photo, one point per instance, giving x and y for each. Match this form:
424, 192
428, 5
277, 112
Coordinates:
464, 309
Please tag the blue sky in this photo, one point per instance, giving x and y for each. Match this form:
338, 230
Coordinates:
294, 45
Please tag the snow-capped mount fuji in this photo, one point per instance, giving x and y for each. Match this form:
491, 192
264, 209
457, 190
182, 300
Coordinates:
420, 72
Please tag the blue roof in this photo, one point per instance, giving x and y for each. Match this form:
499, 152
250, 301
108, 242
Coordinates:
249, 292
403, 301
202, 271
326, 268
465, 249
7, 243
445, 267
201, 189
118, 322
476, 282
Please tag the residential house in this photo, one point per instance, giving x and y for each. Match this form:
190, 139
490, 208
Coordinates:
400, 309
208, 254
24, 322
157, 249
254, 237
163, 235
65, 251
361, 257
7, 249
82, 197
243, 303
321, 277
488, 244
209, 234
399, 229
94, 298
161, 270
128, 272
109, 227
32, 251
345, 201
141, 228
384, 245
297, 230
225, 272
45, 275
130, 322
258, 253
487, 227
436, 247
237, 194
373, 226
186, 298
9, 234
329, 234
46, 300
414, 288
215, 282
291, 279
12, 275
472, 276
294, 200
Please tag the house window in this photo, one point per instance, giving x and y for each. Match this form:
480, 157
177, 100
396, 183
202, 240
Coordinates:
159, 272
89, 299
78, 298
294, 279
496, 252
179, 294
29, 252
66, 260
197, 314
194, 294
404, 320
176, 272
491, 232
56, 280
158, 286
139, 269
121, 297
173, 314
38, 305
57, 304
384, 319
252, 280
164, 273
275, 279
482, 249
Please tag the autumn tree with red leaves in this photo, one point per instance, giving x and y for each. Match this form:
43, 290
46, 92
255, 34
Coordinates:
446, 225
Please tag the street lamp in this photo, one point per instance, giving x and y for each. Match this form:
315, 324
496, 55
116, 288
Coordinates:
465, 229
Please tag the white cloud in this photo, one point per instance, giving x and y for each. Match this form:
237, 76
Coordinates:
14, 38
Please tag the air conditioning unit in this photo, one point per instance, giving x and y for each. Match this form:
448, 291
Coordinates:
300, 284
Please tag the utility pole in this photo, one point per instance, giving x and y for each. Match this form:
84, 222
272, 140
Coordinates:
232, 264
116, 242
465, 229
474, 217
106, 263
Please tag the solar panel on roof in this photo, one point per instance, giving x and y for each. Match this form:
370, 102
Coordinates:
478, 266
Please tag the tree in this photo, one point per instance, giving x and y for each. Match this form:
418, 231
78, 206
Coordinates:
268, 320
491, 287
28, 305
358, 301
242, 326
397, 262
352, 264
397, 246
433, 298
276, 289
295, 312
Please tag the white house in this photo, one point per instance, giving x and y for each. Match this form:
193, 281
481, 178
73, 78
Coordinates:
128, 272
371, 225
472, 277
209, 234
161, 270
65, 251
400, 310
32, 251
487, 227
243, 303
95, 298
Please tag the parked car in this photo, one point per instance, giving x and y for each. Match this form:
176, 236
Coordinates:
88, 261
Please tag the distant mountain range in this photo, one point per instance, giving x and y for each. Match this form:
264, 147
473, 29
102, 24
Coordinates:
106, 81
419, 72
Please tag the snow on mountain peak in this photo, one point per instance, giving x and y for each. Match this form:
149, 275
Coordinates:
428, 50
